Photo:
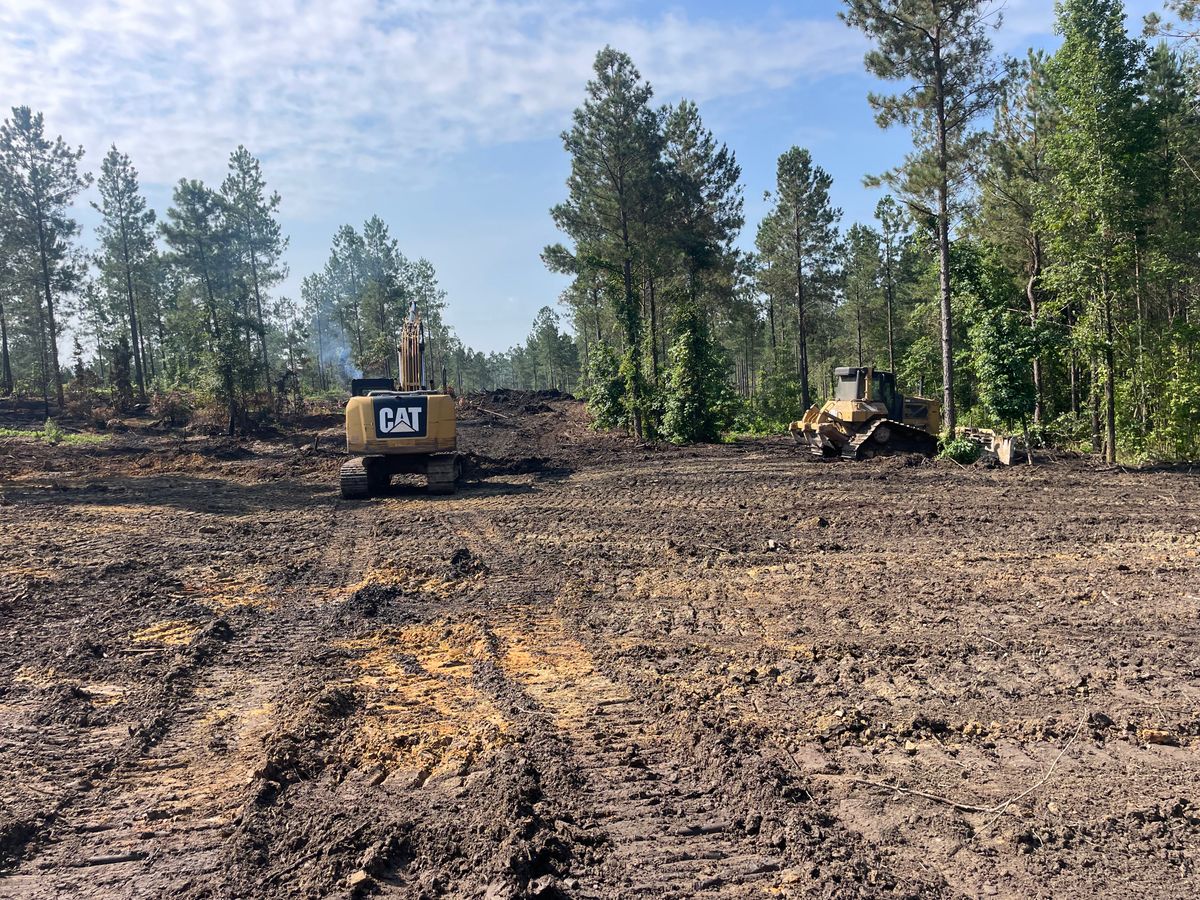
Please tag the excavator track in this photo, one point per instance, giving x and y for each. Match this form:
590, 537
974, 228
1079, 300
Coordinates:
442, 472
884, 437
355, 480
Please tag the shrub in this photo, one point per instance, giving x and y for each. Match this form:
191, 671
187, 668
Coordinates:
961, 451
172, 407
698, 404
52, 433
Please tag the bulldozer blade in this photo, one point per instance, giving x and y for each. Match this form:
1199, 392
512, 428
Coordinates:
1004, 450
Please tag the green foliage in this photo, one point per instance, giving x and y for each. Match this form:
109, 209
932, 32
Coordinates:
604, 388
1003, 351
1176, 434
775, 405
51, 432
960, 450
698, 405
1002, 346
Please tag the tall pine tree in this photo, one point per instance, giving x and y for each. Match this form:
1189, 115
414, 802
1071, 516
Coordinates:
126, 244
941, 48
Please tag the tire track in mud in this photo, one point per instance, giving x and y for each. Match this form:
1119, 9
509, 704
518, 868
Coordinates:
662, 830
155, 815
646, 793
659, 675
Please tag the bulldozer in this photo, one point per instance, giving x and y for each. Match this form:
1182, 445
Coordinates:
868, 417
400, 426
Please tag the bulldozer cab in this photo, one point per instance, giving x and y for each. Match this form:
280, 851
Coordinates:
869, 383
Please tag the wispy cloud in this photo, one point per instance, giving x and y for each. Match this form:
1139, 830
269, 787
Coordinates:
1028, 19
324, 90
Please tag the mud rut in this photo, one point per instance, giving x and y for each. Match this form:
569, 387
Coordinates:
662, 675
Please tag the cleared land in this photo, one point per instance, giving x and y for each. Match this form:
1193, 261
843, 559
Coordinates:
598, 671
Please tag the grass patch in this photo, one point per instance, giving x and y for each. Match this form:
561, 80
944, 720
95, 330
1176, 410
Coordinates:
53, 435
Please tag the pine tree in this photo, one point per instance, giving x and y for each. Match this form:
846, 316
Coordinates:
198, 233
706, 197
126, 242
615, 145
798, 244
942, 48
344, 274
893, 236
257, 238
862, 273
39, 179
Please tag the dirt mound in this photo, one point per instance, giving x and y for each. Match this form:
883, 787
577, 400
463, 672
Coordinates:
541, 433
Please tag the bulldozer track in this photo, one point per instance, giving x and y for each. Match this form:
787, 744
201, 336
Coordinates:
901, 439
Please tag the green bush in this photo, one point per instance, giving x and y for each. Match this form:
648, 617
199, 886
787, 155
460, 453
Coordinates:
961, 451
52, 433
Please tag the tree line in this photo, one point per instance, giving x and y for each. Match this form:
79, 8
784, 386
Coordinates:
188, 302
1032, 262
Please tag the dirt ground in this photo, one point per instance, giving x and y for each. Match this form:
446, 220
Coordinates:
597, 671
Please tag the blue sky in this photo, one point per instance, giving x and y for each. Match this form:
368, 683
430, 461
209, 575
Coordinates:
443, 116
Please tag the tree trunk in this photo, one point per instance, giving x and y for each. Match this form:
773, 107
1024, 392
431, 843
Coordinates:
262, 324
135, 340
1035, 268
771, 320
890, 332
801, 330
1074, 373
653, 330
948, 412
858, 330
320, 350
53, 329
1110, 392
632, 333
42, 356
6, 376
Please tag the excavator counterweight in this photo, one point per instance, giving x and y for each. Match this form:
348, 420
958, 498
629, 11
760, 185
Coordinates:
401, 426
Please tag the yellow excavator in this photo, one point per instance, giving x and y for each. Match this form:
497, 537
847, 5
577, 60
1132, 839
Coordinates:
868, 417
400, 426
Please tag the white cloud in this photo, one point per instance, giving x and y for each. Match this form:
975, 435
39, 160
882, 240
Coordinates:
1028, 19
322, 90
